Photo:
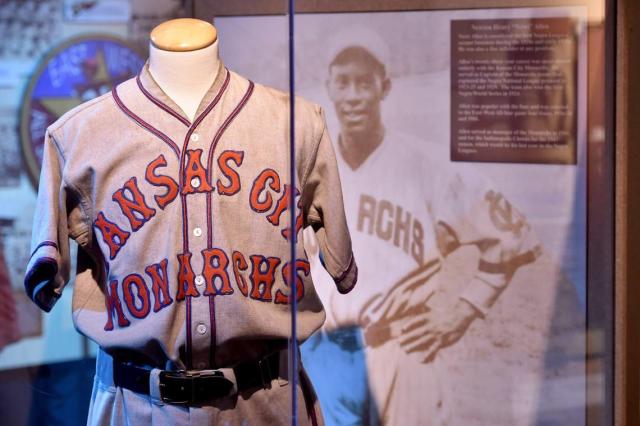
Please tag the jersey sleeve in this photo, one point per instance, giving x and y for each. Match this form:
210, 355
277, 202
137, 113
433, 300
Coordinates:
470, 210
324, 212
47, 271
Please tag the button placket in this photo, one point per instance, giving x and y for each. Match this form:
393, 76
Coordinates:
200, 315
196, 135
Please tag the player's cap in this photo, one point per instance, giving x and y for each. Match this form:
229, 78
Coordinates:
358, 36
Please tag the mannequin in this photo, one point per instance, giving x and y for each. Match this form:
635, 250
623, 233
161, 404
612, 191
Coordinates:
183, 59
184, 287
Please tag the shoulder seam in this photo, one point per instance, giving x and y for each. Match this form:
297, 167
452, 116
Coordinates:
55, 143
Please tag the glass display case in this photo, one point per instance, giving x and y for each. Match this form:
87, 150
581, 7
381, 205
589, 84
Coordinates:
486, 176
440, 115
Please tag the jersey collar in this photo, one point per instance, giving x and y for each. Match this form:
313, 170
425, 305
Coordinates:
150, 88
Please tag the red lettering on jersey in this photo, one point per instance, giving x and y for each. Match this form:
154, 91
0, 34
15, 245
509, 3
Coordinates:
215, 266
159, 284
134, 208
234, 178
301, 265
240, 264
161, 180
299, 223
260, 185
143, 295
194, 171
263, 278
112, 302
282, 205
186, 285
112, 235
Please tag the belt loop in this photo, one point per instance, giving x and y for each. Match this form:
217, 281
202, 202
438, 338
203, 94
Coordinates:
265, 372
154, 386
230, 375
283, 377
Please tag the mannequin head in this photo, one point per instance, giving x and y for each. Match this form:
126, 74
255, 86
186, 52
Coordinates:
184, 62
183, 35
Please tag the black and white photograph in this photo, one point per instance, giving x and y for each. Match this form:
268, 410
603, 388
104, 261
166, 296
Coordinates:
428, 333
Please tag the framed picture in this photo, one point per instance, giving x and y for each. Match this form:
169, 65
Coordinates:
501, 102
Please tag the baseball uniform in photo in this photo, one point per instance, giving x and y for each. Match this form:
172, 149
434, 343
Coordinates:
406, 213
184, 241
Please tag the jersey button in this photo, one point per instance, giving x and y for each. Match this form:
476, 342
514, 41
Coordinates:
201, 328
201, 365
199, 280
195, 137
195, 182
197, 232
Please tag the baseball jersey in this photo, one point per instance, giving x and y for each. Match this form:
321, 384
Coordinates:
406, 212
182, 227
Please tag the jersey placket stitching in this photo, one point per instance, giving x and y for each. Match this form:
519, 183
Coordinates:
214, 143
160, 104
183, 198
159, 134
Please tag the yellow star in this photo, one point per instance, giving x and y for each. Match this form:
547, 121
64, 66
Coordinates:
102, 73
61, 104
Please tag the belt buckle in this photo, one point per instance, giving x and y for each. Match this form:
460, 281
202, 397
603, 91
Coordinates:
192, 387
175, 387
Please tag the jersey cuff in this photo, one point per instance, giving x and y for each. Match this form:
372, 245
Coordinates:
40, 282
346, 281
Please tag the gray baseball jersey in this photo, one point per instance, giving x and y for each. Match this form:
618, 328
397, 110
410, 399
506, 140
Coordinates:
182, 229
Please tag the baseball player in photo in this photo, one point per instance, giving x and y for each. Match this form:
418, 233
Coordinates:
184, 269
380, 358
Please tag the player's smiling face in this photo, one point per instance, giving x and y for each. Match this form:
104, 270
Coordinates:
356, 92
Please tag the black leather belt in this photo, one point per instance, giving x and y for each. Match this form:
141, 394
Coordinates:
195, 387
